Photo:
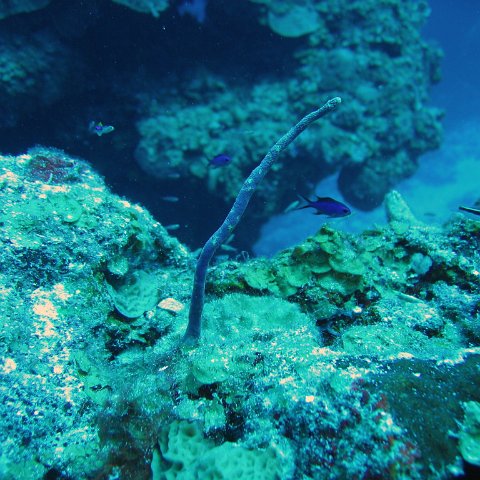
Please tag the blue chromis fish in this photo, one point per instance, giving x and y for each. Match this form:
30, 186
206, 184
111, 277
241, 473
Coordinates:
99, 128
326, 206
220, 160
475, 211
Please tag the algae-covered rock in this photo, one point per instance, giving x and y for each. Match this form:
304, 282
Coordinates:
59, 334
135, 294
236, 329
328, 259
376, 339
383, 341
398, 212
66, 207
469, 441
261, 276
293, 19
190, 456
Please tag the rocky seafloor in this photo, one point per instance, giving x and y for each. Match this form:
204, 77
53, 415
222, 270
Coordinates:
344, 357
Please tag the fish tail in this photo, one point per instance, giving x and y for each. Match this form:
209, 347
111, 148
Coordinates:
303, 199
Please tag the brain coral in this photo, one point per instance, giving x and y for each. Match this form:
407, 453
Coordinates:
190, 456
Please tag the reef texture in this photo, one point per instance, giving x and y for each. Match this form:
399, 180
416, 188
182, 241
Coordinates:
229, 77
69, 250
13, 7
369, 54
34, 71
343, 357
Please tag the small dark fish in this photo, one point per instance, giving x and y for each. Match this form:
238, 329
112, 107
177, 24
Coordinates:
227, 248
326, 206
173, 227
220, 160
99, 128
475, 211
170, 198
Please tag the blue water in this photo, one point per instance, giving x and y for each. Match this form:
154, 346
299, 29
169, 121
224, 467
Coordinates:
446, 178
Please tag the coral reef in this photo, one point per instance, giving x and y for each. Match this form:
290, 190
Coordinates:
34, 71
63, 236
186, 454
188, 89
379, 64
345, 356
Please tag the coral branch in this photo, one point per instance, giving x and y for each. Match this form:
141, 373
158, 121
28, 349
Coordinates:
193, 330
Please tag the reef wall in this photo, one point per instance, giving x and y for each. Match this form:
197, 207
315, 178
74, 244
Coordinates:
197, 79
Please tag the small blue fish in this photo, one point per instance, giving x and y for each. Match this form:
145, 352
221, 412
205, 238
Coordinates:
220, 160
99, 128
326, 206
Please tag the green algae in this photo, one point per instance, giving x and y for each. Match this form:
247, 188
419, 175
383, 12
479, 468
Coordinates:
328, 260
66, 207
236, 329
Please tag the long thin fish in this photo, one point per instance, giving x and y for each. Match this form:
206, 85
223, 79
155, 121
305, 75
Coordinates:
475, 211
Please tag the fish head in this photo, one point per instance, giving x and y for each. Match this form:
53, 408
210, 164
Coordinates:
340, 211
330, 207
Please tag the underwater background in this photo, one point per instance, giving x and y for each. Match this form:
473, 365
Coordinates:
340, 345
